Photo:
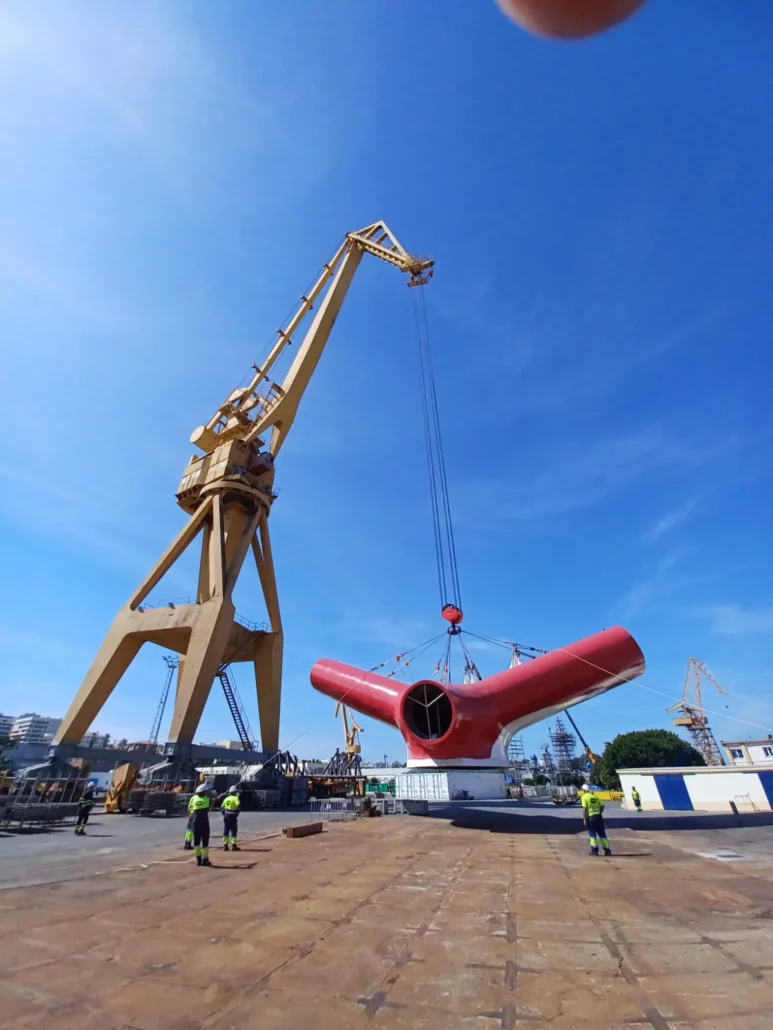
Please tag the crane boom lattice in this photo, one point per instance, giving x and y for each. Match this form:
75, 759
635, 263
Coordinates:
172, 664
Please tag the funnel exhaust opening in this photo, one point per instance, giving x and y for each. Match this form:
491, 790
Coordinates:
427, 711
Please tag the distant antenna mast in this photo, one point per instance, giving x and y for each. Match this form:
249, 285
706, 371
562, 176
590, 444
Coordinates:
692, 716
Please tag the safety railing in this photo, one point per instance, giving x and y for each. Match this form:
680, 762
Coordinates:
333, 809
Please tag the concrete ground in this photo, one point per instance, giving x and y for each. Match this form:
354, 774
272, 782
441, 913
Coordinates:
406, 923
49, 856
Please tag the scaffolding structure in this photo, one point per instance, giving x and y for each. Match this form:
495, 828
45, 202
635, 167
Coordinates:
546, 763
563, 744
519, 764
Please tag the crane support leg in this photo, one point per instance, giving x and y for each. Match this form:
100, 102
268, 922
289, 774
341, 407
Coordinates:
205, 632
223, 552
202, 660
269, 648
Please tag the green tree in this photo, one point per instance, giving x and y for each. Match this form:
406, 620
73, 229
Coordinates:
643, 749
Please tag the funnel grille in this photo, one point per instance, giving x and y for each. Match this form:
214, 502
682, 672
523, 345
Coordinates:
427, 711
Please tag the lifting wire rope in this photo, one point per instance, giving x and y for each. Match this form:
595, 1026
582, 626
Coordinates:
442, 523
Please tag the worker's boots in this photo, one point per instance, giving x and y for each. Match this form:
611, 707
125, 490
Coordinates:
235, 847
594, 851
187, 846
205, 861
608, 852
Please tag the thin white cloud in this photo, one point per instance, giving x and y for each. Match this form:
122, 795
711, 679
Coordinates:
653, 589
734, 620
577, 475
671, 520
132, 75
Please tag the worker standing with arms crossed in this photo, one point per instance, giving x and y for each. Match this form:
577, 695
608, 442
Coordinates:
85, 805
636, 798
199, 805
230, 807
593, 817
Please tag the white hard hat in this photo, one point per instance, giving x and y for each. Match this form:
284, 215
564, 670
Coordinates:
202, 788
233, 790
585, 787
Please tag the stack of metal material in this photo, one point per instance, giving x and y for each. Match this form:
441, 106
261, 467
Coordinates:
37, 813
134, 801
267, 798
158, 802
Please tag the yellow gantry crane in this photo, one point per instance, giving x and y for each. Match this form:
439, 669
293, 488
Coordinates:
692, 715
227, 491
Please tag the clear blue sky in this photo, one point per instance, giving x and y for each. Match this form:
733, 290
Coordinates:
173, 176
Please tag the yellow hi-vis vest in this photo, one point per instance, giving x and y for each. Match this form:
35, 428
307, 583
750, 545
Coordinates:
231, 803
591, 803
199, 803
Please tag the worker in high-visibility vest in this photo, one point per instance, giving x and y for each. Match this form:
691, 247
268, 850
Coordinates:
188, 844
230, 807
593, 817
636, 798
200, 805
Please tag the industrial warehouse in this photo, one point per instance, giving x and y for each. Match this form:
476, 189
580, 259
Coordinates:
349, 347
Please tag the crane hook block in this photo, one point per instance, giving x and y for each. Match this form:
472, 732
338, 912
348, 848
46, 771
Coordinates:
452, 614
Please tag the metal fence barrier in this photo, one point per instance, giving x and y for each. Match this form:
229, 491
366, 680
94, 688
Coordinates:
340, 809
333, 809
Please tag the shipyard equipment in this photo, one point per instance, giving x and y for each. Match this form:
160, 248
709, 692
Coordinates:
692, 715
227, 491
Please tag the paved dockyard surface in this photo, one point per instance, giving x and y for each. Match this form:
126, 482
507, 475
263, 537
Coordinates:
37, 857
404, 923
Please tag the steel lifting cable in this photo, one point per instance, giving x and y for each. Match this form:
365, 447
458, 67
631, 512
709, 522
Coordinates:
442, 524
523, 649
414, 651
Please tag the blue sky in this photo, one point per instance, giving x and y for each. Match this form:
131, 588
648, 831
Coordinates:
174, 175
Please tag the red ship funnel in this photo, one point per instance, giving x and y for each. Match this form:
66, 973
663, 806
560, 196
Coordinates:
453, 724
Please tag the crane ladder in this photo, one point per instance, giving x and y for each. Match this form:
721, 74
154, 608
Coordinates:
240, 721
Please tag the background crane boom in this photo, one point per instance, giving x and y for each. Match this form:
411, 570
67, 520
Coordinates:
692, 715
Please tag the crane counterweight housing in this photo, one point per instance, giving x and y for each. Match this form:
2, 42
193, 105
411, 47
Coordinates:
227, 491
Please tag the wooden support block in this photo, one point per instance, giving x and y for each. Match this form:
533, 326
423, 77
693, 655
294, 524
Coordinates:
304, 830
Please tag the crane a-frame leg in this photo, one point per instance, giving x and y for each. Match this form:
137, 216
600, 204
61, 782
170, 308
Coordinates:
269, 648
205, 633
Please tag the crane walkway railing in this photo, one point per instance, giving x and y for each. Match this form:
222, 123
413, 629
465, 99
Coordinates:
181, 602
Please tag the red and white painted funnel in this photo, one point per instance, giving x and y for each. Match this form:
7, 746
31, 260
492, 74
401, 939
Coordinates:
454, 724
